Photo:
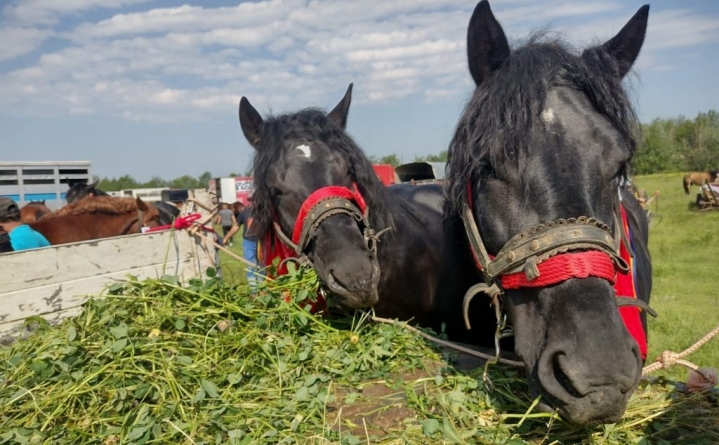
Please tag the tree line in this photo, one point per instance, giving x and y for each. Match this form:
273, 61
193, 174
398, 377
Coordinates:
665, 145
679, 144
126, 182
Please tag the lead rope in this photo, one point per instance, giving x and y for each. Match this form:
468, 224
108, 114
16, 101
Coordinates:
668, 358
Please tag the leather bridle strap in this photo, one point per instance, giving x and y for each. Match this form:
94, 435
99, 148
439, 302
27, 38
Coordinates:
319, 206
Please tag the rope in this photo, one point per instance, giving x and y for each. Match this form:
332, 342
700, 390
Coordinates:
448, 344
668, 358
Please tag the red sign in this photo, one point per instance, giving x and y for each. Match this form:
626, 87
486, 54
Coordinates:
385, 173
244, 186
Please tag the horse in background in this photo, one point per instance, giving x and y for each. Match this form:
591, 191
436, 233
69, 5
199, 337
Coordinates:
33, 211
168, 211
698, 178
534, 168
79, 190
97, 217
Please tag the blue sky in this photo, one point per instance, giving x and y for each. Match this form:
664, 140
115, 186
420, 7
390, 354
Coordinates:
147, 88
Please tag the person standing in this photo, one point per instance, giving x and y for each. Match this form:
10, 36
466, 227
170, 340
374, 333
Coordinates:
226, 218
250, 239
22, 236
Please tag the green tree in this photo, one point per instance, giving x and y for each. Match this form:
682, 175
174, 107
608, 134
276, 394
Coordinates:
391, 159
204, 179
440, 157
155, 182
186, 182
657, 151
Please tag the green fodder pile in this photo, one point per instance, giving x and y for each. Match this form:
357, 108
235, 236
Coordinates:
154, 362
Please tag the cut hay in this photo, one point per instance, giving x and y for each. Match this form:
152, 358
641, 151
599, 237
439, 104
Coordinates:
208, 363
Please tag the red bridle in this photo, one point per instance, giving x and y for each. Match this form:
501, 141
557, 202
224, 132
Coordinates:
321, 204
316, 198
581, 259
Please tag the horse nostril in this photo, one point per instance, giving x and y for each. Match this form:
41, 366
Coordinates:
561, 376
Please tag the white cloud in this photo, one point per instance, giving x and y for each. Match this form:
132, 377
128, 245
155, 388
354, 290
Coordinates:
17, 41
50, 11
188, 62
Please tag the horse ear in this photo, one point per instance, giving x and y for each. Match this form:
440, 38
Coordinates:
487, 46
141, 204
338, 115
251, 122
625, 46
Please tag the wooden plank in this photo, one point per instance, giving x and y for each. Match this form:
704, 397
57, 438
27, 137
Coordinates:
72, 272
57, 264
24, 303
9, 332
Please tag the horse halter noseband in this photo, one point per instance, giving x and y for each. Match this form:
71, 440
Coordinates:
317, 208
545, 255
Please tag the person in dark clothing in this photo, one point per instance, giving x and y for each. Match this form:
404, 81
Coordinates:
249, 242
5, 245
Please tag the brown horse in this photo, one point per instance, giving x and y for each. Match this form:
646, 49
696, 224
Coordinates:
33, 211
98, 217
698, 178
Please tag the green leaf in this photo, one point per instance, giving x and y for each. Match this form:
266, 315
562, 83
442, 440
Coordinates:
119, 331
430, 426
234, 379
119, 345
171, 279
71, 333
180, 324
291, 269
211, 272
450, 432
350, 439
210, 388
302, 295
137, 432
301, 319
302, 394
184, 360
200, 396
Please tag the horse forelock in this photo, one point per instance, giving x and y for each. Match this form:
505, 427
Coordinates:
495, 129
312, 124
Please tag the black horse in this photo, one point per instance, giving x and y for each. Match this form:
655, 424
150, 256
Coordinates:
534, 166
79, 190
168, 211
307, 164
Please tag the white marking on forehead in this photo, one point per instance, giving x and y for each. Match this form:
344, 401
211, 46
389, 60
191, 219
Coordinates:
305, 149
548, 115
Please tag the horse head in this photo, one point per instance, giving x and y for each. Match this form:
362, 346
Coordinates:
536, 159
148, 215
80, 190
313, 189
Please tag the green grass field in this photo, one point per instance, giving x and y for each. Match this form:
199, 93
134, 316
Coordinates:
684, 245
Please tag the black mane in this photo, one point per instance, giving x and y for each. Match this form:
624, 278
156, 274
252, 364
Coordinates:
496, 126
312, 124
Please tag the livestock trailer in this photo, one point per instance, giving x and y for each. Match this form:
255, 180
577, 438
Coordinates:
25, 181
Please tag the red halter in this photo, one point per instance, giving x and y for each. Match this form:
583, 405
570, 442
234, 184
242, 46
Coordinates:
583, 264
275, 244
322, 194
